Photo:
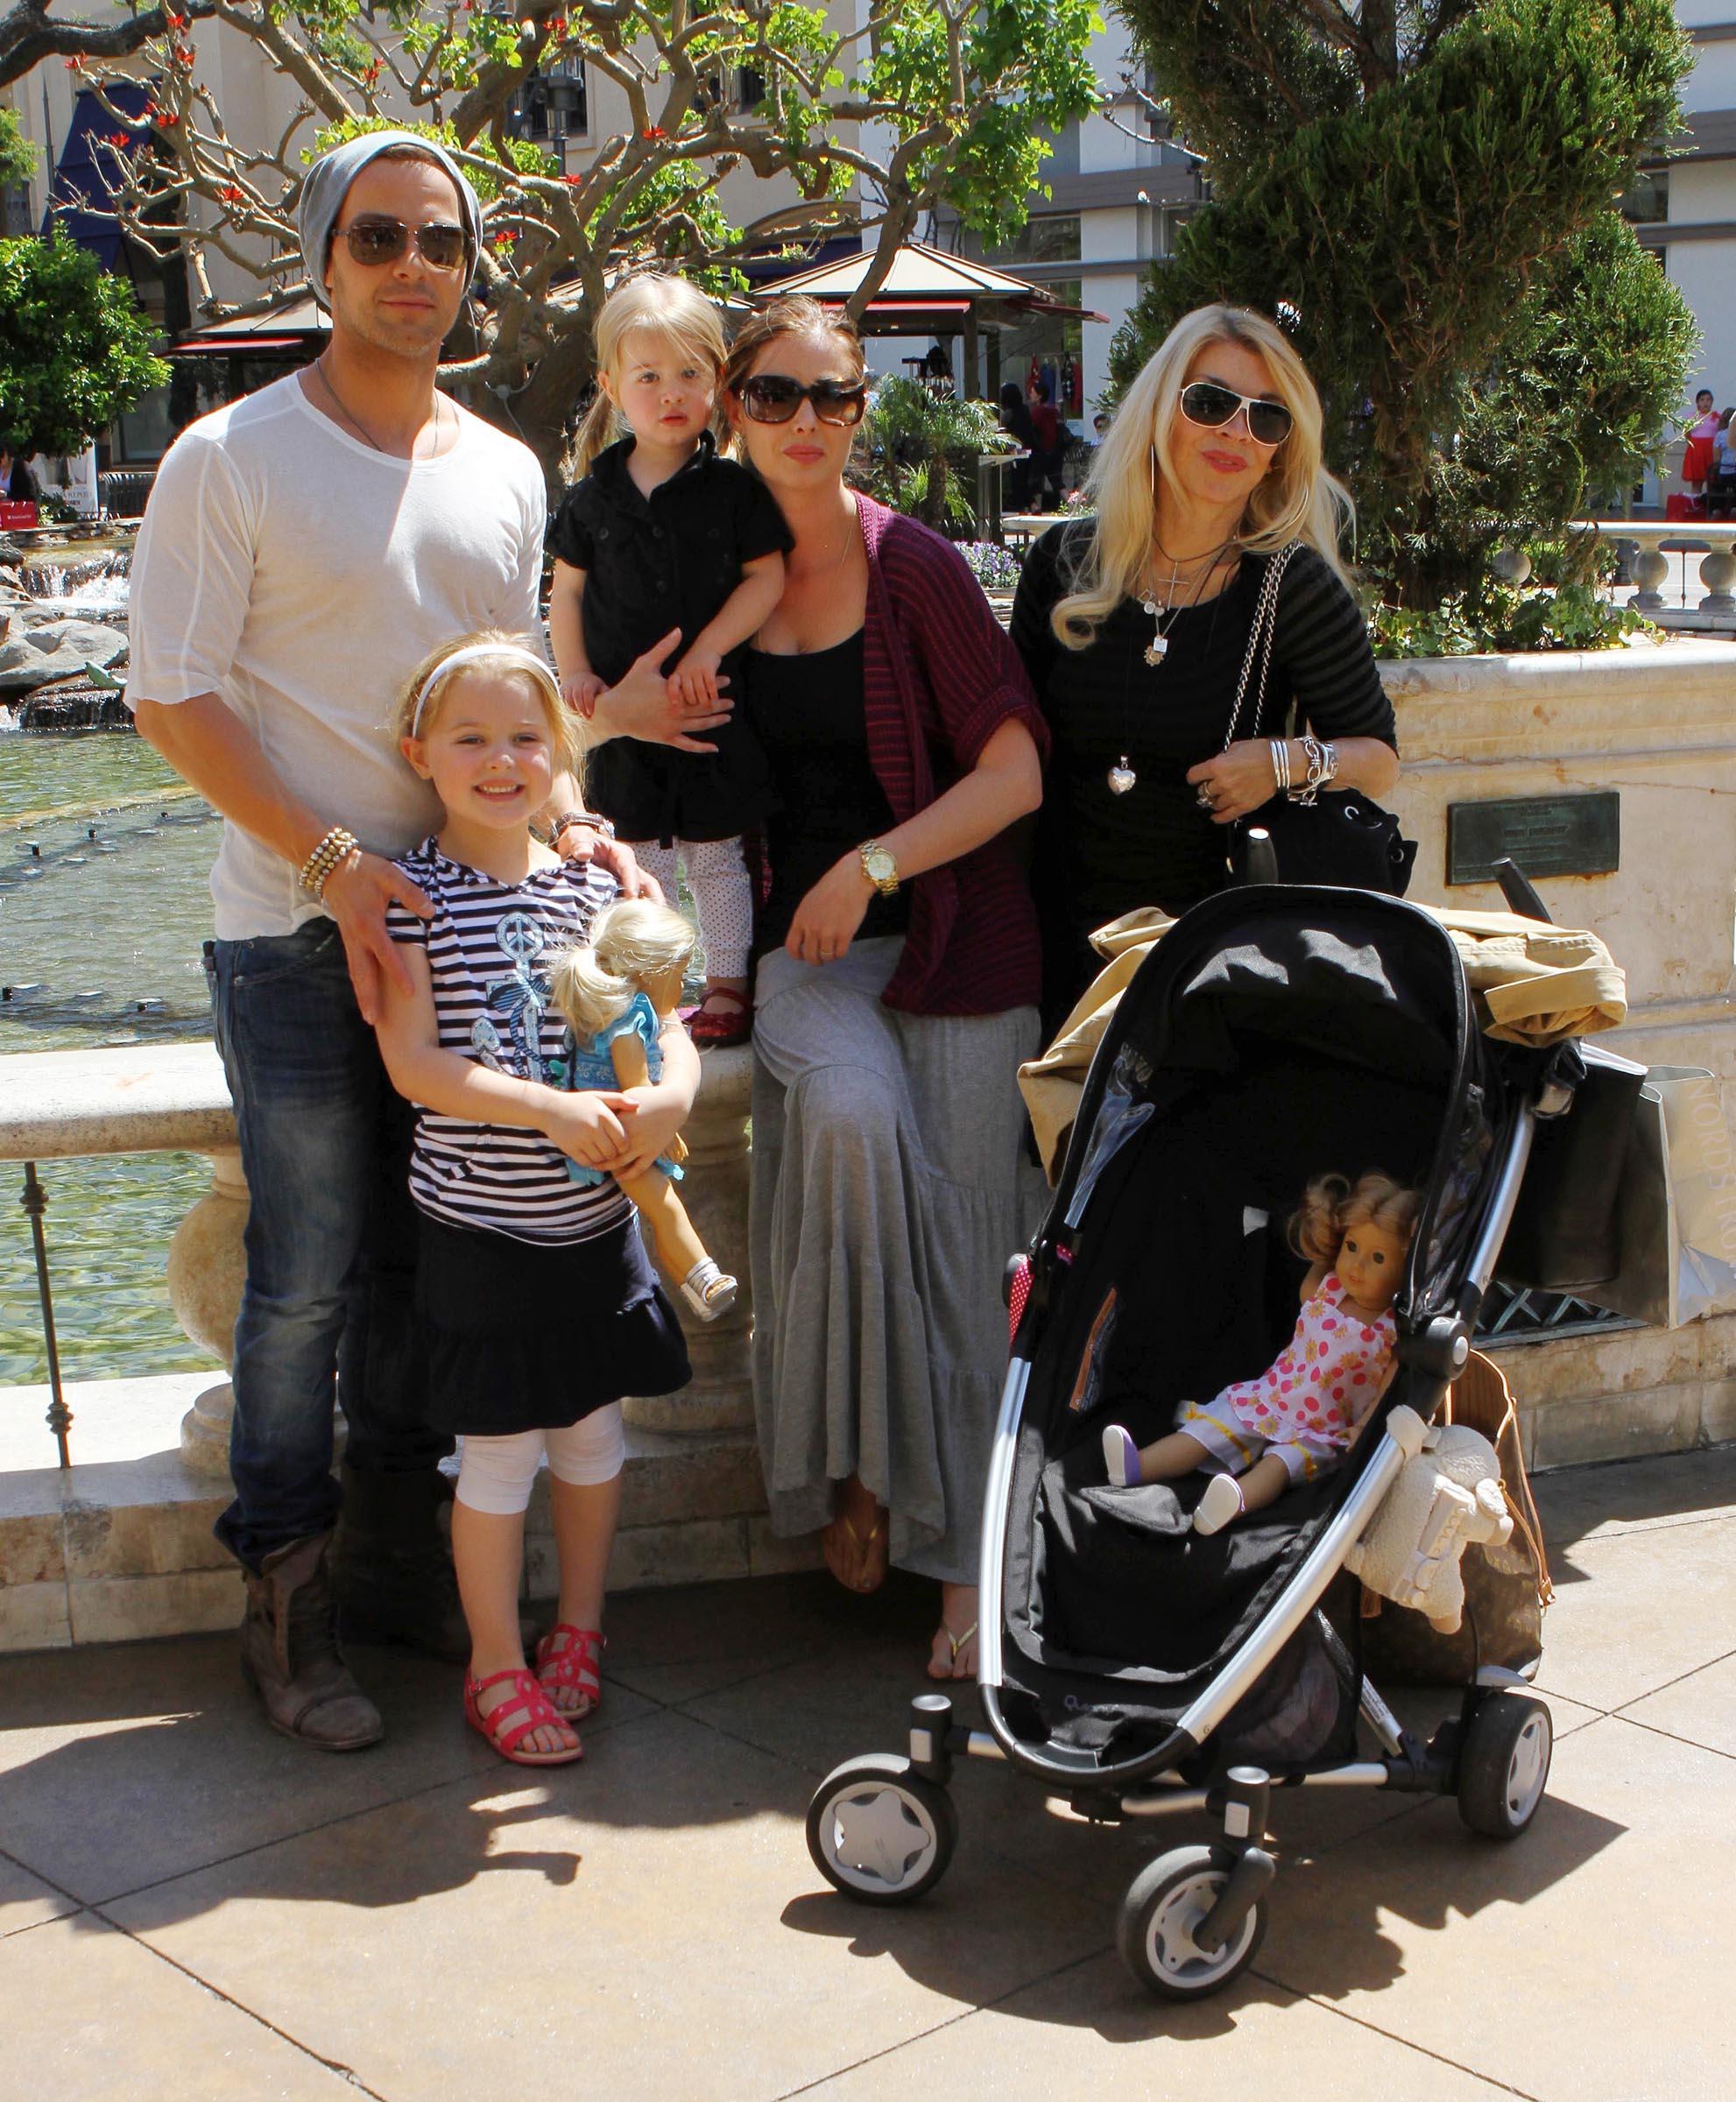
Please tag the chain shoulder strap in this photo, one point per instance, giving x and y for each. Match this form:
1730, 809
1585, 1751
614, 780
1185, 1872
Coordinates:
1261, 632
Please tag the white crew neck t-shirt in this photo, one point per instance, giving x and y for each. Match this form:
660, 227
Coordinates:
300, 575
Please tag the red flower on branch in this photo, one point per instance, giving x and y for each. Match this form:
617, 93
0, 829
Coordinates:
573, 181
654, 131
232, 193
176, 21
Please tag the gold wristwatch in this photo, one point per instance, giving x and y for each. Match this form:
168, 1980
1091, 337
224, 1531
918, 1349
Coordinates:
879, 867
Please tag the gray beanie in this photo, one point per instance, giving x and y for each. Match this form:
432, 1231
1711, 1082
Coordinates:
327, 183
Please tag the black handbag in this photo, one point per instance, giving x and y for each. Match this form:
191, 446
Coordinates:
1340, 835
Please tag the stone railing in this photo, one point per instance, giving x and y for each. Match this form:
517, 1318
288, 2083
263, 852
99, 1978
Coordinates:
1646, 565
173, 1098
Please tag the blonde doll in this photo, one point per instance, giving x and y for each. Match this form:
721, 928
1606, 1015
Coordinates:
615, 996
1304, 1411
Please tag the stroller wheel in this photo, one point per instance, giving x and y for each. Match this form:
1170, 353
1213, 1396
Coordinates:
879, 1832
1165, 1902
1504, 1764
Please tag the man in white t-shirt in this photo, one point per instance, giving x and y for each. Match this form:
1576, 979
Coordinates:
303, 550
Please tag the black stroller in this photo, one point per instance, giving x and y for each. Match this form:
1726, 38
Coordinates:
1129, 1664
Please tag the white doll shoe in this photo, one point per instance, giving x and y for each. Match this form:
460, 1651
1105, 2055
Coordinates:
710, 1292
1120, 1458
1222, 1502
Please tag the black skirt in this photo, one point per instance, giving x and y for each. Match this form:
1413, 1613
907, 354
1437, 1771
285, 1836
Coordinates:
529, 1336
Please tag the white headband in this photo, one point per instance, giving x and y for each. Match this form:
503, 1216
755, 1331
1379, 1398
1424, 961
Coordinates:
473, 652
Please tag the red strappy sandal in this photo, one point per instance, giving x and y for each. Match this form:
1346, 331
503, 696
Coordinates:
575, 1668
714, 1029
530, 1705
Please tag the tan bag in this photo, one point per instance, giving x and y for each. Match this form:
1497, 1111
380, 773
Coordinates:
1507, 1587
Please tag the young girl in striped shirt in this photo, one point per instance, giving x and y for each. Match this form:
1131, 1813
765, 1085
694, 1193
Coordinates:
534, 1292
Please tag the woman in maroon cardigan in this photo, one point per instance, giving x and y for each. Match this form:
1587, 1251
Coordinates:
896, 990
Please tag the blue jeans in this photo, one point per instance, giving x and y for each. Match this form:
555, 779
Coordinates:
331, 1240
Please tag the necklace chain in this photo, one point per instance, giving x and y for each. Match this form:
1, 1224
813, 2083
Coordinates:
1121, 776
359, 428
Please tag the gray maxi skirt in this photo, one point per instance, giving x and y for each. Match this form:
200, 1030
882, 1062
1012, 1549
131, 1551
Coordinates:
890, 1186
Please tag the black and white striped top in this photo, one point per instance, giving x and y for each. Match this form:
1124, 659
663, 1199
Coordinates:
488, 946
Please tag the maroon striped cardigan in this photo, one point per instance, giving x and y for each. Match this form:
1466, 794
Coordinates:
939, 678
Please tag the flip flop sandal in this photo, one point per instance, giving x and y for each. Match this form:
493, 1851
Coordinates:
712, 1029
527, 1703
864, 1545
955, 1643
574, 1668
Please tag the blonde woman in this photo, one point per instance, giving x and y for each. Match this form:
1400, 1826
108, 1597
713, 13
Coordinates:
665, 548
1133, 624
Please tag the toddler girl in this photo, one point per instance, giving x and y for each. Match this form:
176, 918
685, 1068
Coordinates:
1302, 1414
539, 1305
661, 534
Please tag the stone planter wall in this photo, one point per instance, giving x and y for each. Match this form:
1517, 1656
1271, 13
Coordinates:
1657, 724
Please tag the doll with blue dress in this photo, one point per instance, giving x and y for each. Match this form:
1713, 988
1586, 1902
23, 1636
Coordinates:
616, 995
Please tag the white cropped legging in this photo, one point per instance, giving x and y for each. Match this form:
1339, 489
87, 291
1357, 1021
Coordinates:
722, 896
496, 1475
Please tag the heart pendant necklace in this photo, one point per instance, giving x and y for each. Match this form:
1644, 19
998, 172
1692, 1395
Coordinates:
1162, 608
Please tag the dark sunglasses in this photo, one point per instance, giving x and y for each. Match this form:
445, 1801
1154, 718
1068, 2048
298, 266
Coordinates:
1212, 406
372, 241
771, 398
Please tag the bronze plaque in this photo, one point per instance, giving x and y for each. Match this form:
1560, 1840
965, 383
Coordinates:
1544, 835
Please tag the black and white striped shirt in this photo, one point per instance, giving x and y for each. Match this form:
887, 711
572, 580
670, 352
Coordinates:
489, 945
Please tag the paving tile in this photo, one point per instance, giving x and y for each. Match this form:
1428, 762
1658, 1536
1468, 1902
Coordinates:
675, 1646
26, 1900
1644, 1609
122, 1766
650, 1921
94, 2017
1580, 1963
1701, 1708
1581, 1504
1091, 2030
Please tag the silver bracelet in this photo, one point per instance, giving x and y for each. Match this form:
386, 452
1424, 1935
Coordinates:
1280, 764
1318, 769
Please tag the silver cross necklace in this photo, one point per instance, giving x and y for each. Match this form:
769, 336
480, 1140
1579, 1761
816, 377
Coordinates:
1166, 606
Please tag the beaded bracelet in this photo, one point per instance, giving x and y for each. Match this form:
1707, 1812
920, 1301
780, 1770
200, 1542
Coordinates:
322, 864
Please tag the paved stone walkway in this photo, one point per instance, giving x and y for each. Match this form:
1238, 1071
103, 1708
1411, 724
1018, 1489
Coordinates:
192, 1908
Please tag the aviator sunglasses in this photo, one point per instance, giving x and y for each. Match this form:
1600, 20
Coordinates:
374, 241
772, 398
1205, 402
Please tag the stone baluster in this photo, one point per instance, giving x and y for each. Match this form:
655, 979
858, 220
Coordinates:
207, 1267
1718, 573
1651, 566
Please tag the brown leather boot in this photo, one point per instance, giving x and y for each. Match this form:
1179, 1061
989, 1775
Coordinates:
290, 1656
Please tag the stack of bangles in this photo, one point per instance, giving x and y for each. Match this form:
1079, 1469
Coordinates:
326, 860
1322, 765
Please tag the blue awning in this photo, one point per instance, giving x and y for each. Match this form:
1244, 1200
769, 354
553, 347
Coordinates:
79, 177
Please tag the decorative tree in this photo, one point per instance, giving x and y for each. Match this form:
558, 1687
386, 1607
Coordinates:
74, 348
33, 31
926, 445
1420, 192
867, 129
17, 156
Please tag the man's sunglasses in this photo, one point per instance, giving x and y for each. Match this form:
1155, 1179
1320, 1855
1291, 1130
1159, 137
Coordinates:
1212, 406
770, 398
372, 241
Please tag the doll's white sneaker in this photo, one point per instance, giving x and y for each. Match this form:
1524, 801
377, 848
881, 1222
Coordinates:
710, 1292
1120, 1458
1222, 1502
